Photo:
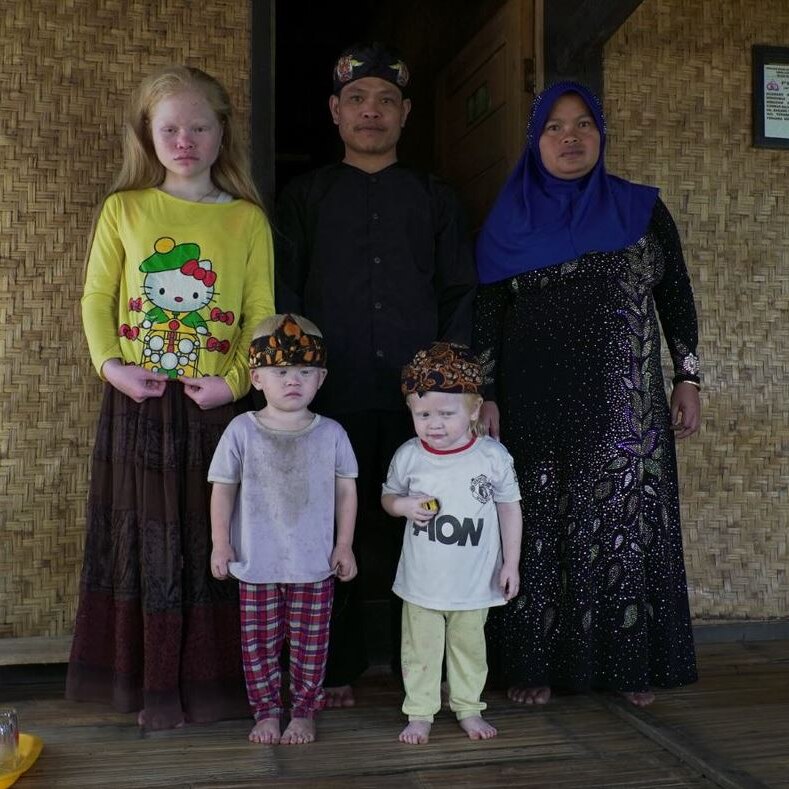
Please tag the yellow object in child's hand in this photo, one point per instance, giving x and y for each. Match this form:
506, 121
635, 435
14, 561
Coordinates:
431, 504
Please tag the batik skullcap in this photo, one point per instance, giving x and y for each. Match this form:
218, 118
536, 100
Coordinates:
443, 367
286, 346
369, 60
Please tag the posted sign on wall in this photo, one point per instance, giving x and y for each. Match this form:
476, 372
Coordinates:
771, 97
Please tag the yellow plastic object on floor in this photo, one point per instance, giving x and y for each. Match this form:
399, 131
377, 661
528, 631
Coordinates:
29, 748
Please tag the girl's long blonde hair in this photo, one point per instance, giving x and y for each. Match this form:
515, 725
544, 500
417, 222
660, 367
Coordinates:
142, 169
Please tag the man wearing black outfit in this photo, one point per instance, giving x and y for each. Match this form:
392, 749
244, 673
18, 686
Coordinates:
378, 256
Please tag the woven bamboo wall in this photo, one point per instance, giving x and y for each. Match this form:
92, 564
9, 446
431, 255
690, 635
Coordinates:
678, 95
68, 66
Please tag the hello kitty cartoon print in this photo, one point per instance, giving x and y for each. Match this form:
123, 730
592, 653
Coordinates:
178, 285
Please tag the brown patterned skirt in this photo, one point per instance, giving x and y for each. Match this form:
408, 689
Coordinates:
154, 630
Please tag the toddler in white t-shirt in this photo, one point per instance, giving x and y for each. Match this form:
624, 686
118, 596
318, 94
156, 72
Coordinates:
462, 539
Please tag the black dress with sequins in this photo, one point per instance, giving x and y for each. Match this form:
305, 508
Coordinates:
572, 355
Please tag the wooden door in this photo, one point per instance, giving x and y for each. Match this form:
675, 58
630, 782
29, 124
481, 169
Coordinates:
482, 105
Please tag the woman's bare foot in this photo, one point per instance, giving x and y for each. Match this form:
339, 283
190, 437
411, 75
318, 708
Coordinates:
156, 722
416, 733
340, 696
300, 731
639, 699
526, 695
266, 732
477, 728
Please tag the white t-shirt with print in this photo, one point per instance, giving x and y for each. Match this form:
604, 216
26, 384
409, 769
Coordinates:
453, 562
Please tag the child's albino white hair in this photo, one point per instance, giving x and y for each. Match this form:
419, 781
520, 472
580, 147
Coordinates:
472, 401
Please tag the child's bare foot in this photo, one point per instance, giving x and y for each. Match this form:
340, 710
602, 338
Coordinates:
266, 732
525, 695
416, 733
642, 699
477, 728
156, 722
300, 731
340, 696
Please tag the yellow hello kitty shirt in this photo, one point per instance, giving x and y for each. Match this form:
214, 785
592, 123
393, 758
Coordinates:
176, 286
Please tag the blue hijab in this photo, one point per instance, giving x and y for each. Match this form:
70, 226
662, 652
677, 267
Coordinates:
539, 220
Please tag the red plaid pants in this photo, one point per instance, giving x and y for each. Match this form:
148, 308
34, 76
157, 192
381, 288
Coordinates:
270, 613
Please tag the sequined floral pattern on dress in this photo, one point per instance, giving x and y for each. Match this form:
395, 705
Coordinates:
579, 384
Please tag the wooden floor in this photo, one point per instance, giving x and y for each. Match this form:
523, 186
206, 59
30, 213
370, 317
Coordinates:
730, 730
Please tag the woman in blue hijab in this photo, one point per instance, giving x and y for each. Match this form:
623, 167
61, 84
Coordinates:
577, 266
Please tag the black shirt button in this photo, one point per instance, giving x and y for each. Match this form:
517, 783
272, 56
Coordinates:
378, 305
379, 353
375, 217
376, 260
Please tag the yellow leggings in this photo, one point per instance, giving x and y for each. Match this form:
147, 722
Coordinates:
425, 633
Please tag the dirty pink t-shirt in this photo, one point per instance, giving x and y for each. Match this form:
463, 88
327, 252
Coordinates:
282, 529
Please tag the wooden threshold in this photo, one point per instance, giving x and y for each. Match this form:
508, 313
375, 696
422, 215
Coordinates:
55, 649
34, 650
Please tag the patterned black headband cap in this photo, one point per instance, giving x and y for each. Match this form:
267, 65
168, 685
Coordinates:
443, 367
369, 60
286, 346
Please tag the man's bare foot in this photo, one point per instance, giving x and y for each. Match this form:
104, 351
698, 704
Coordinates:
477, 728
525, 695
642, 699
266, 732
300, 731
416, 733
156, 722
340, 696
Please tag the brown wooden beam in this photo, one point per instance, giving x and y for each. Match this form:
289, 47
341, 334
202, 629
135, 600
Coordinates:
576, 32
35, 650
261, 88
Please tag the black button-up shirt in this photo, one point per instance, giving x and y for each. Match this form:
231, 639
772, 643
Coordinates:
383, 265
